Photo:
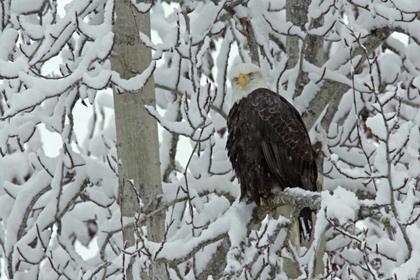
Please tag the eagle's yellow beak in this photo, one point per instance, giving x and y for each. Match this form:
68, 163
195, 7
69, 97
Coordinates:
243, 80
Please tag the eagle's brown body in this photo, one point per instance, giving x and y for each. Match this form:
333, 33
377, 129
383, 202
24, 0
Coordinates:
269, 148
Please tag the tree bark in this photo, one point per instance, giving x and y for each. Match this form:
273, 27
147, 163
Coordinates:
312, 50
137, 135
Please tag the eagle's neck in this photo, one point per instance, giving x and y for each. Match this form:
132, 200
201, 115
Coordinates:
239, 92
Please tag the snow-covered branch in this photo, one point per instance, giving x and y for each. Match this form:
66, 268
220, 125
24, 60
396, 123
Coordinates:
298, 198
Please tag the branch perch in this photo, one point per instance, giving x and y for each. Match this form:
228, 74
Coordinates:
296, 197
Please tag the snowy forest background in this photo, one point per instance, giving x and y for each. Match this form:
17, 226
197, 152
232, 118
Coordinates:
351, 67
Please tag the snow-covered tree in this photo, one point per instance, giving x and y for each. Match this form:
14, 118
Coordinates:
351, 67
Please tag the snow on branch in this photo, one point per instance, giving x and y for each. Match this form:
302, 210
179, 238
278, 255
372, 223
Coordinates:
296, 197
54, 194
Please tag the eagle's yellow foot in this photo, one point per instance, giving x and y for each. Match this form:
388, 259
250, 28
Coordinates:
262, 202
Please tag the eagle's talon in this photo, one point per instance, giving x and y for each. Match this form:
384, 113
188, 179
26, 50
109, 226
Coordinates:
262, 202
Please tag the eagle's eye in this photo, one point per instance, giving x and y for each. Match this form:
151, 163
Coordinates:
251, 74
235, 80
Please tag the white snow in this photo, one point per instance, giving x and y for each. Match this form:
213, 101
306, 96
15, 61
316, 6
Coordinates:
22, 6
342, 205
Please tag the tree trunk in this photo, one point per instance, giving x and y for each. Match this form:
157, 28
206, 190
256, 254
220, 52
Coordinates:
311, 50
137, 135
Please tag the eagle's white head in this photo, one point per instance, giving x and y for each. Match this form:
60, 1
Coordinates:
245, 78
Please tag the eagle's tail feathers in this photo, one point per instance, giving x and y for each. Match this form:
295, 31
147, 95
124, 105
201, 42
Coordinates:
305, 224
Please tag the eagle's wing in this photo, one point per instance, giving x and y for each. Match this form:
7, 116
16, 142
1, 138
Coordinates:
284, 140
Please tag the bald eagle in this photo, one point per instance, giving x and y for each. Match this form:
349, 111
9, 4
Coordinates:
268, 144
